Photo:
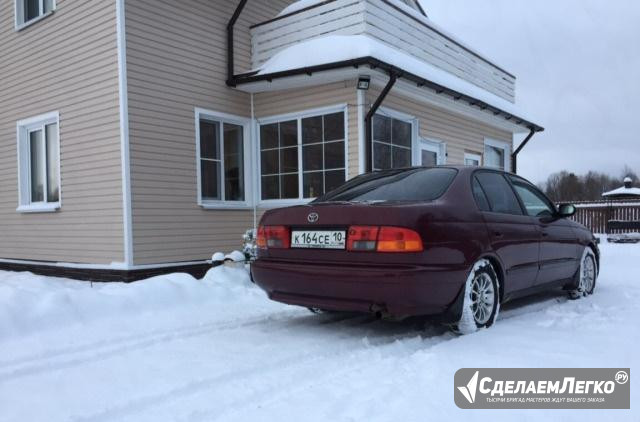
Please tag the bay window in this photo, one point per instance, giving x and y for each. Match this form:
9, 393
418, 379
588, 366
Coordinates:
392, 142
303, 157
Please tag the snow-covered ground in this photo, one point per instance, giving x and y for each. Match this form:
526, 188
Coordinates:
174, 348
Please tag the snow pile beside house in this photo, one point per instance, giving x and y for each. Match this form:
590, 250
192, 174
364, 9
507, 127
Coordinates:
29, 303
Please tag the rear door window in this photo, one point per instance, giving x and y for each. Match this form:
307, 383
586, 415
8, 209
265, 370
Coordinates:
479, 195
395, 185
499, 193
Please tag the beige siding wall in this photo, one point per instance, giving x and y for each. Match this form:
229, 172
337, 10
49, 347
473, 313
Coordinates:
298, 100
176, 58
461, 134
68, 63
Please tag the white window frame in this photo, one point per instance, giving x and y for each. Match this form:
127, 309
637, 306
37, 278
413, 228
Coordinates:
19, 13
433, 145
222, 118
23, 129
503, 145
298, 116
415, 130
473, 156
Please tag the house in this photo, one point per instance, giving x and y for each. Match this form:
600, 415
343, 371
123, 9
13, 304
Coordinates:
141, 136
624, 192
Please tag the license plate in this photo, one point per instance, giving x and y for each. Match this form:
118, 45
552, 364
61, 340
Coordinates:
319, 239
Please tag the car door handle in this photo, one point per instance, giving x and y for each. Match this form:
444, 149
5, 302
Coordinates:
497, 234
545, 234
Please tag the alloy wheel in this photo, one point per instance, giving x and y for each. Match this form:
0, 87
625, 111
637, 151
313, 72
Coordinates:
482, 298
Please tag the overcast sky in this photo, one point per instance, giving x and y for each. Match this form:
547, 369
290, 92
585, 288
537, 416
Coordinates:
577, 64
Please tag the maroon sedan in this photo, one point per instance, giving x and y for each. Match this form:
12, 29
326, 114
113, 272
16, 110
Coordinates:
449, 241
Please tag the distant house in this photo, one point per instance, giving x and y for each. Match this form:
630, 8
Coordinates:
141, 136
625, 192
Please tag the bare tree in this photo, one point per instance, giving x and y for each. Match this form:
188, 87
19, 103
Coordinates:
566, 187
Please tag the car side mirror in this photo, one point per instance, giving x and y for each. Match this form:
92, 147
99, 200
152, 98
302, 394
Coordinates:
566, 210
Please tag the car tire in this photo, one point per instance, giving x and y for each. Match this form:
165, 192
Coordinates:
481, 300
586, 276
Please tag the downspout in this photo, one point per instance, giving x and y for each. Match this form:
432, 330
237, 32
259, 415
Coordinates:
231, 80
369, 118
254, 165
514, 156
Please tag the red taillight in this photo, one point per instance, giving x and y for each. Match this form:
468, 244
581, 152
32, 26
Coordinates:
383, 239
362, 238
397, 239
273, 237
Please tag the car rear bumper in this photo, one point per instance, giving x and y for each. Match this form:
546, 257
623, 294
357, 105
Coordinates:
399, 291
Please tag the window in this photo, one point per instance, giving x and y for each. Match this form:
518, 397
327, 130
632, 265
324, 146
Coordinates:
39, 164
472, 159
536, 204
396, 185
29, 11
496, 154
432, 153
303, 157
392, 141
479, 195
221, 159
499, 193
279, 167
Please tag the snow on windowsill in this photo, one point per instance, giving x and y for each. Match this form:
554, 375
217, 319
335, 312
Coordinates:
39, 208
337, 48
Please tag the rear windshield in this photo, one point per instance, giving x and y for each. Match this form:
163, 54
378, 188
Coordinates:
423, 184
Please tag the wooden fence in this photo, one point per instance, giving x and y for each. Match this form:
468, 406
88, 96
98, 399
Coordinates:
605, 217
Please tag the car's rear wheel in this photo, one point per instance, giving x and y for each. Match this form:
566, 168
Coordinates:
481, 300
587, 275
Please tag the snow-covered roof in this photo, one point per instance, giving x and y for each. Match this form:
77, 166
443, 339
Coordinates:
339, 48
623, 191
401, 4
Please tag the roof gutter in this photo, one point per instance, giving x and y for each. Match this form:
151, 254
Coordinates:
374, 63
514, 156
231, 79
368, 121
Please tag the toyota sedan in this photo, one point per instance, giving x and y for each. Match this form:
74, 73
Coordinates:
449, 241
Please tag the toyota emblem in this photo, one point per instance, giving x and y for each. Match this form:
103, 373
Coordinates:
313, 217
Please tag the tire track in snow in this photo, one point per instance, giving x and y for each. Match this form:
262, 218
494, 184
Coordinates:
68, 358
58, 352
294, 361
63, 358
296, 382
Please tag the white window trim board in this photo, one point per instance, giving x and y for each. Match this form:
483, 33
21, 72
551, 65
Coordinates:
504, 145
222, 118
298, 116
23, 127
20, 24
